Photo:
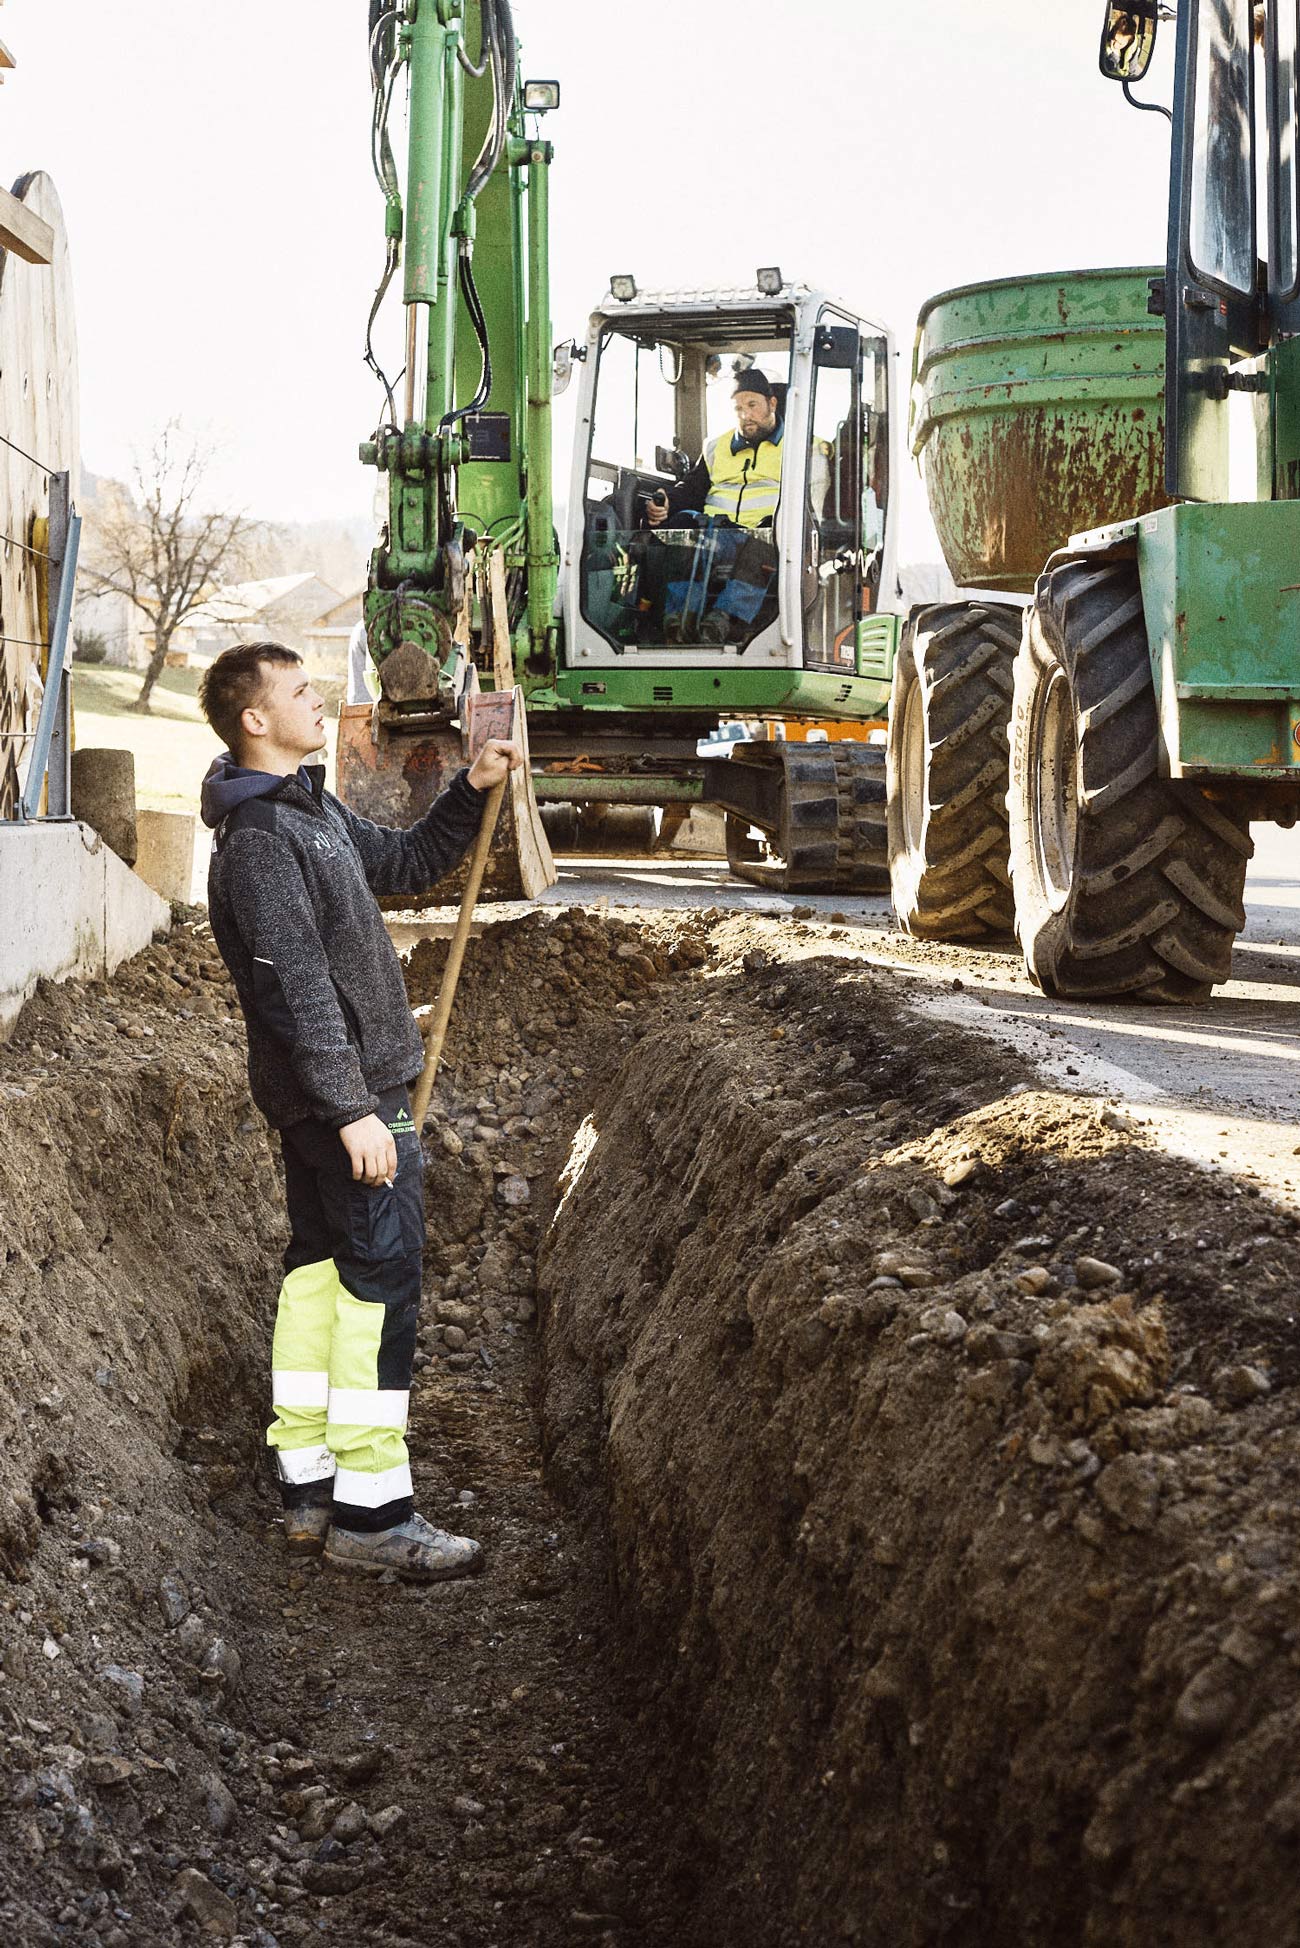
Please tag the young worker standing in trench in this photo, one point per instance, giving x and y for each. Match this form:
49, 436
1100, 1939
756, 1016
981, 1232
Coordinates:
332, 1048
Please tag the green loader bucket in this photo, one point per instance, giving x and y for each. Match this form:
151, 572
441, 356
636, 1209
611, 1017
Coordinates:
1037, 413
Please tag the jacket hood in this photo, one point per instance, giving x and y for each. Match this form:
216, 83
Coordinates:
228, 785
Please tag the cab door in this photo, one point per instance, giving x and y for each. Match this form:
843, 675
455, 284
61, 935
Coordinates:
1211, 304
833, 518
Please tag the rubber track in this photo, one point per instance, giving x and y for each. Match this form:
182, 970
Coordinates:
833, 836
1155, 894
956, 884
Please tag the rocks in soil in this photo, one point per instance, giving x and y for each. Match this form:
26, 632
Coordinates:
1238, 1386
128, 1686
1209, 1702
387, 1821
1129, 1489
173, 1600
219, 1805
1093, 1273
222, 1664
194, 1894
350, 1823
359, 1768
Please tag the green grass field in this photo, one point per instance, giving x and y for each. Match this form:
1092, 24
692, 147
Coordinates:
173, 745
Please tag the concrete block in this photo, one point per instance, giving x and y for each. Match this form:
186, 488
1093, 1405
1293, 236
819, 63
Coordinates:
69, 909
165, 859
103, 794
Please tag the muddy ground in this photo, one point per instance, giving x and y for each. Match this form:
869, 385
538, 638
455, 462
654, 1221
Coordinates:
887, 1476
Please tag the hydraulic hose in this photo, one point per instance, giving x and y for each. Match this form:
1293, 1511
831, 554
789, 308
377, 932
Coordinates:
500, 53
475, 308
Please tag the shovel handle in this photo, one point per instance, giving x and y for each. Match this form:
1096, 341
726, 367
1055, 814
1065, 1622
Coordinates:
437, 1031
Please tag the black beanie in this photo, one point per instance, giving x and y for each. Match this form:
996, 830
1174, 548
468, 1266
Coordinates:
753, 381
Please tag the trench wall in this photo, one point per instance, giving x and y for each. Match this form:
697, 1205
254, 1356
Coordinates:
958, 1594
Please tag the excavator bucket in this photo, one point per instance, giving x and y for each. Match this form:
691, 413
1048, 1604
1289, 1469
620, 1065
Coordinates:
391, 768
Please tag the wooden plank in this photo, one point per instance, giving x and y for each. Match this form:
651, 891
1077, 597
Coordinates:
503, 662
6, 58
23, 232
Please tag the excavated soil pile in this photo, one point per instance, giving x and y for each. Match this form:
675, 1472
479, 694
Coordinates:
912, 1578
946, 1442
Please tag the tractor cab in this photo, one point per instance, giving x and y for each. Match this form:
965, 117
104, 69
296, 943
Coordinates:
1231, 292
772, 548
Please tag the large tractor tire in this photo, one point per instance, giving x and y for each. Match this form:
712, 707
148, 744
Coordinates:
948, 720
1126, 883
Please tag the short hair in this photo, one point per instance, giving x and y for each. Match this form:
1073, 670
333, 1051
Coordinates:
234, 683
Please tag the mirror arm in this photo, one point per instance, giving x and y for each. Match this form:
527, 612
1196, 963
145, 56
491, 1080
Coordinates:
1147, 107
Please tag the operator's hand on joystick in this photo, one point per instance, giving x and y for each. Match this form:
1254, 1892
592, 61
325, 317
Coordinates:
656, 508
494, 763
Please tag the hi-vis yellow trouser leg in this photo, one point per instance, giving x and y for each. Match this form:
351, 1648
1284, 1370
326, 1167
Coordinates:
366, 1430
300, 1361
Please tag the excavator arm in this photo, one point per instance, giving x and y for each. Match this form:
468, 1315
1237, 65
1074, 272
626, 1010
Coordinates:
462, 579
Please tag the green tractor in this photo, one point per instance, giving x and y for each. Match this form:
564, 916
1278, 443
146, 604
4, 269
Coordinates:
1151, 669
626, 642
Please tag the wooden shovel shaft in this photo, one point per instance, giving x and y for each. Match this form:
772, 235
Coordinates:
437, 1030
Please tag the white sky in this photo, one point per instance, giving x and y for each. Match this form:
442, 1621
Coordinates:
226, 232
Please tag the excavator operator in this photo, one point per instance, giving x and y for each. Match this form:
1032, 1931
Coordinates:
730, 495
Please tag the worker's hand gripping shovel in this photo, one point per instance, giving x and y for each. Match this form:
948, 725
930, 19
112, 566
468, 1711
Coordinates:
493, 716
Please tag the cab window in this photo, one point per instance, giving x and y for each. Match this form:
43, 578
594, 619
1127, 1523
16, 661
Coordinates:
1285, 82
833, 522
664, 390
1222, 226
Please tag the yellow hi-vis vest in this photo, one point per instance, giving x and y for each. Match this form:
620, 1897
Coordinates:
745, 486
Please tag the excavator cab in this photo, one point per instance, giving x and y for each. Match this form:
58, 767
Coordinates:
663, 398
786, 579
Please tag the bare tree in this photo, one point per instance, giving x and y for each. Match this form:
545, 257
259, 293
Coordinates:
160, 549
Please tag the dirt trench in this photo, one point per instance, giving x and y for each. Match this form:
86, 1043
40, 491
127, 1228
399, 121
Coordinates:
887, 1481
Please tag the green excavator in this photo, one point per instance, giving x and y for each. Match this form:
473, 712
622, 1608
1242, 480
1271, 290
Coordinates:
606, 632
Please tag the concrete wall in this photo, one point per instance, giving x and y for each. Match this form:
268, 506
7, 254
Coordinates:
68, 907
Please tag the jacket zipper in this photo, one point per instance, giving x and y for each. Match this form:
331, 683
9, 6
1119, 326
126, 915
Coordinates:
744, 482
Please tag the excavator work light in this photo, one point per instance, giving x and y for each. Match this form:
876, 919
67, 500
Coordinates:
541, 95
770, 281
623, 288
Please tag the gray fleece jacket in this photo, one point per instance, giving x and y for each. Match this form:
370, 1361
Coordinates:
291, 899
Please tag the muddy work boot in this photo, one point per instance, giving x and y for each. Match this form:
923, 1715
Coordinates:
415, 1550
305, 1528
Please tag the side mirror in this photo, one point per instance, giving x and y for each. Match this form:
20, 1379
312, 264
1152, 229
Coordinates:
1128, 40
563, 360
672, 461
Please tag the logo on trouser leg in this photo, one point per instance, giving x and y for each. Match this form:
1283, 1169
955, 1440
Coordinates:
402, 1124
